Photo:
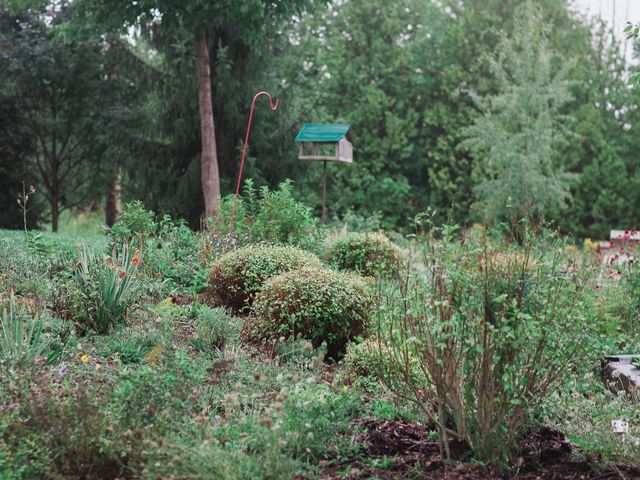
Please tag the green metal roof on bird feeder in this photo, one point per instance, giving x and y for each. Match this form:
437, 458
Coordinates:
329, 142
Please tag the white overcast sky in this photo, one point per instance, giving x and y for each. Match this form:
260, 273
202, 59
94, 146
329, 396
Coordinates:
615, 12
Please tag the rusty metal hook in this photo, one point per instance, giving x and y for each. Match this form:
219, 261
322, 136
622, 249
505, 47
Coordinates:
244, 151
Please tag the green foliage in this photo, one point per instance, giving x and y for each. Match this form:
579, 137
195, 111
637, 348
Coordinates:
48, 433
22, 337
67, 101
213, 328
21, 270
584, 408
103, 288
300, 353
144, 394
633, 31
134, 220
495, 327
131, 344
369, 254
517, 140
319, 305
272, 216
171, 250
367, 359
238, 276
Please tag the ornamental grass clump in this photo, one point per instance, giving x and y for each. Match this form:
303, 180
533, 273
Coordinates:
22, 339
313, 303
103, 288
495, 328
237, 277
368, 254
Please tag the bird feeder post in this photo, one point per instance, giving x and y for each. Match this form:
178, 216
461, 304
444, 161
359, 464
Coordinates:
324, 191
325, 135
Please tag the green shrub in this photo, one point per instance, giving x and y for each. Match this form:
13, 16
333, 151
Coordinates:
272, 216
496, 327
371, 361
300, 354
133, 221
237, 276
369, 254
367, 359
102, 289
320, 305
213, 328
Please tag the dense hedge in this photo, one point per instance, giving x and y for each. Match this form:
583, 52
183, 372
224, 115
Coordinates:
319, 305
237, 276
369, 254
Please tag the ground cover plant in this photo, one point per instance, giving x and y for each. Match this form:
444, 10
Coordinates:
474, 353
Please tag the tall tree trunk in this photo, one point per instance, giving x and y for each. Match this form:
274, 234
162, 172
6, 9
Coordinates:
209, 158
114, 202
55, 213
54, 195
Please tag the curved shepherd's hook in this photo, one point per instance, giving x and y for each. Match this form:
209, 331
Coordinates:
244, 152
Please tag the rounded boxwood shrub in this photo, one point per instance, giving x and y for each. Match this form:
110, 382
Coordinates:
317, 304
369, 254
237, 276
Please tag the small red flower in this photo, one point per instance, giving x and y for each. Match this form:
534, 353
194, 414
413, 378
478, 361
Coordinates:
122, 273
135, 260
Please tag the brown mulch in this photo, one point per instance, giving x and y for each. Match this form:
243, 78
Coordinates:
395, 449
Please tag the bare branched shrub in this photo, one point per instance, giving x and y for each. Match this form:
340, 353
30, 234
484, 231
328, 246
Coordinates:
492, 326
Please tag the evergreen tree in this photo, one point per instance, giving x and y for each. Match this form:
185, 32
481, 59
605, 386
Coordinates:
517, 139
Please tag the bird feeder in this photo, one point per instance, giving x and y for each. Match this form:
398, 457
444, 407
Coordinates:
325, 143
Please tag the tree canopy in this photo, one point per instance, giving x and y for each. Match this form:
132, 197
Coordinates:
460, 106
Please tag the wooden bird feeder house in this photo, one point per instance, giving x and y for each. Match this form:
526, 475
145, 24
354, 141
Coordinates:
325, 143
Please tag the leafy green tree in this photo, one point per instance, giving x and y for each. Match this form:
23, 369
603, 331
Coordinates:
63, 102
194, 28
14, 138
606, 125
517, 140
354, 62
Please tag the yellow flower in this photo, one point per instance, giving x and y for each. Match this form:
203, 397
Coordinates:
84, 358
590, 244
98, 367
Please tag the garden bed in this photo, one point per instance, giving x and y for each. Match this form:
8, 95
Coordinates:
398, 449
